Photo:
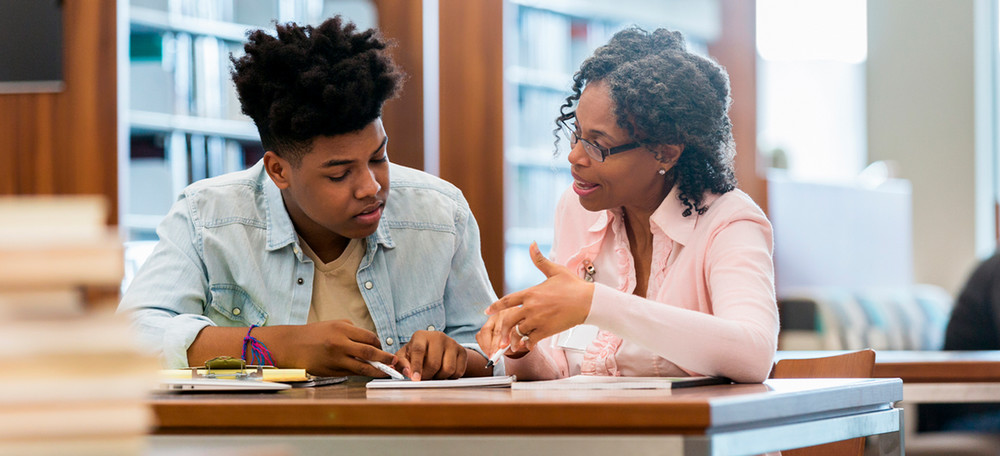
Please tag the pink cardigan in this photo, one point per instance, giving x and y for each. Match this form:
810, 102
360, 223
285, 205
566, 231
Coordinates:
710, 309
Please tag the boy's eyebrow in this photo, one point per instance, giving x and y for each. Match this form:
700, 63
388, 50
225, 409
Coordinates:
332, 163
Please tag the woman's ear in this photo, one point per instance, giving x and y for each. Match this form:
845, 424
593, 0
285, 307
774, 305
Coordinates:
668, 154
278, 168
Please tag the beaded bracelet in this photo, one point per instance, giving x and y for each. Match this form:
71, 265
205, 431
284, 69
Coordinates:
259, 354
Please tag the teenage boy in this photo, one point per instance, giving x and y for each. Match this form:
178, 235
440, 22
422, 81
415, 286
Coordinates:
323, 255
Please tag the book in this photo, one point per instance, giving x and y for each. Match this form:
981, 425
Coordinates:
41, 220
603, 382
99, 261
465, 382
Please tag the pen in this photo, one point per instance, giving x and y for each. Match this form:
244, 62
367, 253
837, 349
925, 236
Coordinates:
388, 370
496, 356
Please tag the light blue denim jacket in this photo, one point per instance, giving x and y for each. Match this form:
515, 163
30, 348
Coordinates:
228, 255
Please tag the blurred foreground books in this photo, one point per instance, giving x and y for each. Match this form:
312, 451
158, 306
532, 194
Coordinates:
71, 379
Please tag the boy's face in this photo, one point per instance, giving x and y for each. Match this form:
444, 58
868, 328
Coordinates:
340, 187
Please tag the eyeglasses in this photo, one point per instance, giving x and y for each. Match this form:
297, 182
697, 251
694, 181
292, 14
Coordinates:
595, 152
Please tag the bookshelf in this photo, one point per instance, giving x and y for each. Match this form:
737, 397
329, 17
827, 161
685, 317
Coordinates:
179, 114
545, 43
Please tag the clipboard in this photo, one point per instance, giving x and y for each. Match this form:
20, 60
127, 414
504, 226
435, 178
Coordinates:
232, 374
218, 385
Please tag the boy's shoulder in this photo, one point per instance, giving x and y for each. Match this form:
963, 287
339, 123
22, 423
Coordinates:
416, 197
410, 183
233, 197
402, 177
238, 181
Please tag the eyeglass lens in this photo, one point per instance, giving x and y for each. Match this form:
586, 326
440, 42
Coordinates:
591, 149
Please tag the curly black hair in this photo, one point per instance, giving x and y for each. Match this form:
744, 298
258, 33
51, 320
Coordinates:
664, 94
313, 81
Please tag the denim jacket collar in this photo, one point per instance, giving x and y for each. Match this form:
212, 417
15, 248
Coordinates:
280, 231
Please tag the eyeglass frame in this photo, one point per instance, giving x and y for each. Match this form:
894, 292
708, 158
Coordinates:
589, 147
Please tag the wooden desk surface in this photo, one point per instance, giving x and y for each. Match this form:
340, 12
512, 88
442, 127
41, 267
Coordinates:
925, 366
350, 408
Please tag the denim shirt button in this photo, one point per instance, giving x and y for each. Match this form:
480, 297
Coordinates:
368, 285
430, 328
388, 341
236, 311
300, 281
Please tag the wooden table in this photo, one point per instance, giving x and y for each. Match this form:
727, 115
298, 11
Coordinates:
931, 377
710, 420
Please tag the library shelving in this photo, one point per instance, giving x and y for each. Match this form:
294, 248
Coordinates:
179, 115
545, 43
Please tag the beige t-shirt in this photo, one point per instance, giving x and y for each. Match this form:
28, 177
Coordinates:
335, 294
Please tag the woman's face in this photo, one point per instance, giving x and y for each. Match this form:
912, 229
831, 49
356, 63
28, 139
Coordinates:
629, 179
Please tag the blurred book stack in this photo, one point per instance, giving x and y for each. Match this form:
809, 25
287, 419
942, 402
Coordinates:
71, 379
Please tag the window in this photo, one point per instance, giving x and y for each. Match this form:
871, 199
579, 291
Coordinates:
811, 86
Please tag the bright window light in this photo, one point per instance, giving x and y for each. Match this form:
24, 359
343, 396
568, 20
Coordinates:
812, 30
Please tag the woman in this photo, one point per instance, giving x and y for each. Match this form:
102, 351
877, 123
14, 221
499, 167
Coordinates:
661, 260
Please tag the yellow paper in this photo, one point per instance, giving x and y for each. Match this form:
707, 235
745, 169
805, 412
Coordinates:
270, 375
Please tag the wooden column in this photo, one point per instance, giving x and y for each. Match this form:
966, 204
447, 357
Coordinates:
736, 49
471, 56
66, 142
403, 117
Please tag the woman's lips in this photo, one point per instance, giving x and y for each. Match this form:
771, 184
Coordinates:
583, 188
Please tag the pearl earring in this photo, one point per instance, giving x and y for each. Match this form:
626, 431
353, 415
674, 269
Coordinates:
662, 172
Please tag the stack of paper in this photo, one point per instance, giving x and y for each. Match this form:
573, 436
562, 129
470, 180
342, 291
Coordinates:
604, 382
71, 381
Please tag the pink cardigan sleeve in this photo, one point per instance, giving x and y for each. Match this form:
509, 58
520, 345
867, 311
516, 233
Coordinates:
738, 338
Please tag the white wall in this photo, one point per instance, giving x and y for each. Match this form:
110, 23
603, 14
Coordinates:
921, 114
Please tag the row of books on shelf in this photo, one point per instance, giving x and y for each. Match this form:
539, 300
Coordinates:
555, 42
537, 110
251, 12
73, 381
536, 208
182, 74
162, 164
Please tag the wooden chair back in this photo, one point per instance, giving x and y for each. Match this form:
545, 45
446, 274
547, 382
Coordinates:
859, 364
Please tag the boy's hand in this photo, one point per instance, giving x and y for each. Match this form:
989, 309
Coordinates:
332, 348
432, 354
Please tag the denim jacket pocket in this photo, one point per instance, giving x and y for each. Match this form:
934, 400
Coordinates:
429, 317
230, 303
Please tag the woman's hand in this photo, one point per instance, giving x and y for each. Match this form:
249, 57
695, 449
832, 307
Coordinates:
559, 303
432, 354
492, 333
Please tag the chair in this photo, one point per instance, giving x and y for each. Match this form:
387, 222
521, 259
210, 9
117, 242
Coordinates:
859, 364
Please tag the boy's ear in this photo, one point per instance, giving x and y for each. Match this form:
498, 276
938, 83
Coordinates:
278, 168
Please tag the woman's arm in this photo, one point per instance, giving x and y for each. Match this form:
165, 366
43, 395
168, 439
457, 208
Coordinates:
737, 340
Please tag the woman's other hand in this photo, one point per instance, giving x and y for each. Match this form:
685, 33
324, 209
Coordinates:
559, 303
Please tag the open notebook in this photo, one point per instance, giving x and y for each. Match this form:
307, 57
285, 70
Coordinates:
603, 382
465, 382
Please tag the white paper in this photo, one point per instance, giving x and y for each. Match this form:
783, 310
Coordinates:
465, 382
603, 382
